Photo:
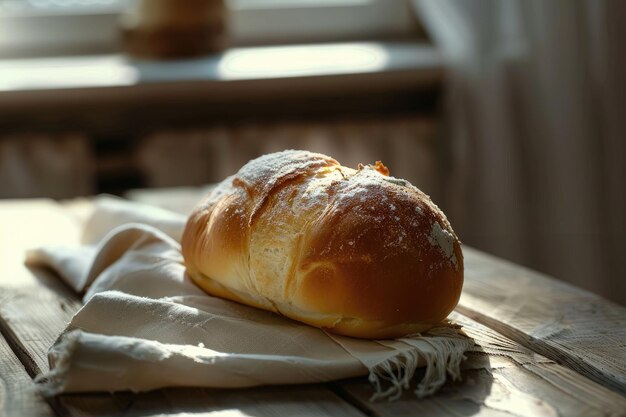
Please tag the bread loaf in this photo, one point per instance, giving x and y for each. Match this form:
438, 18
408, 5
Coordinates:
352, 251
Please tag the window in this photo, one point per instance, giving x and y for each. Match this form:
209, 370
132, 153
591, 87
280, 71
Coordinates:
52, 27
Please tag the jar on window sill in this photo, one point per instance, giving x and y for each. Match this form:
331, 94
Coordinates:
165, 29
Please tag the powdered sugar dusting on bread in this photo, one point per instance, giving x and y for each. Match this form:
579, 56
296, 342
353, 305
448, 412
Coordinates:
398, 209
272, 168
444, 240
262, 175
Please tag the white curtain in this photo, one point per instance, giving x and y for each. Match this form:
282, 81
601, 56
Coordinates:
537, 112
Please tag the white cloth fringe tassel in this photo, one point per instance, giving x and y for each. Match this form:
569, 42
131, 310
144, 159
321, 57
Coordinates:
442, 354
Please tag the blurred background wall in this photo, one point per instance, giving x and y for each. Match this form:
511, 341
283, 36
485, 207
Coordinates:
65, 165
407, 142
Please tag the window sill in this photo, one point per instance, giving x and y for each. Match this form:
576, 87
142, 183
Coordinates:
238, 78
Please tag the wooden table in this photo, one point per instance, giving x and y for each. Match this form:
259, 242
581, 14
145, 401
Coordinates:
549, 349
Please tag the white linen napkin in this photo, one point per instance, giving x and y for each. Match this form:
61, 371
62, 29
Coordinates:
146, 325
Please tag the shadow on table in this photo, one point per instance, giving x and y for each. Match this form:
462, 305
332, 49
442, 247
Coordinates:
49, 279
303, 400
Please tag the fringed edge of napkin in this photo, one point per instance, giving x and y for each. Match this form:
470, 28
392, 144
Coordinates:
444, 359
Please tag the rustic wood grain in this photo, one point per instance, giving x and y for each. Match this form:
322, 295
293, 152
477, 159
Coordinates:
26, 224
17, 395
506, 379
568, 325
32, 318
262, 402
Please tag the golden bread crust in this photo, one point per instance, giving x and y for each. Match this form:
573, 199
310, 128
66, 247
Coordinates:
353, 251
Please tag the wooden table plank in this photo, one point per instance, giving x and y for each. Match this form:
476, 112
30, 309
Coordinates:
29, 223
568, 325
506, 380
17, 395
32, 318
35, 307
262, 402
